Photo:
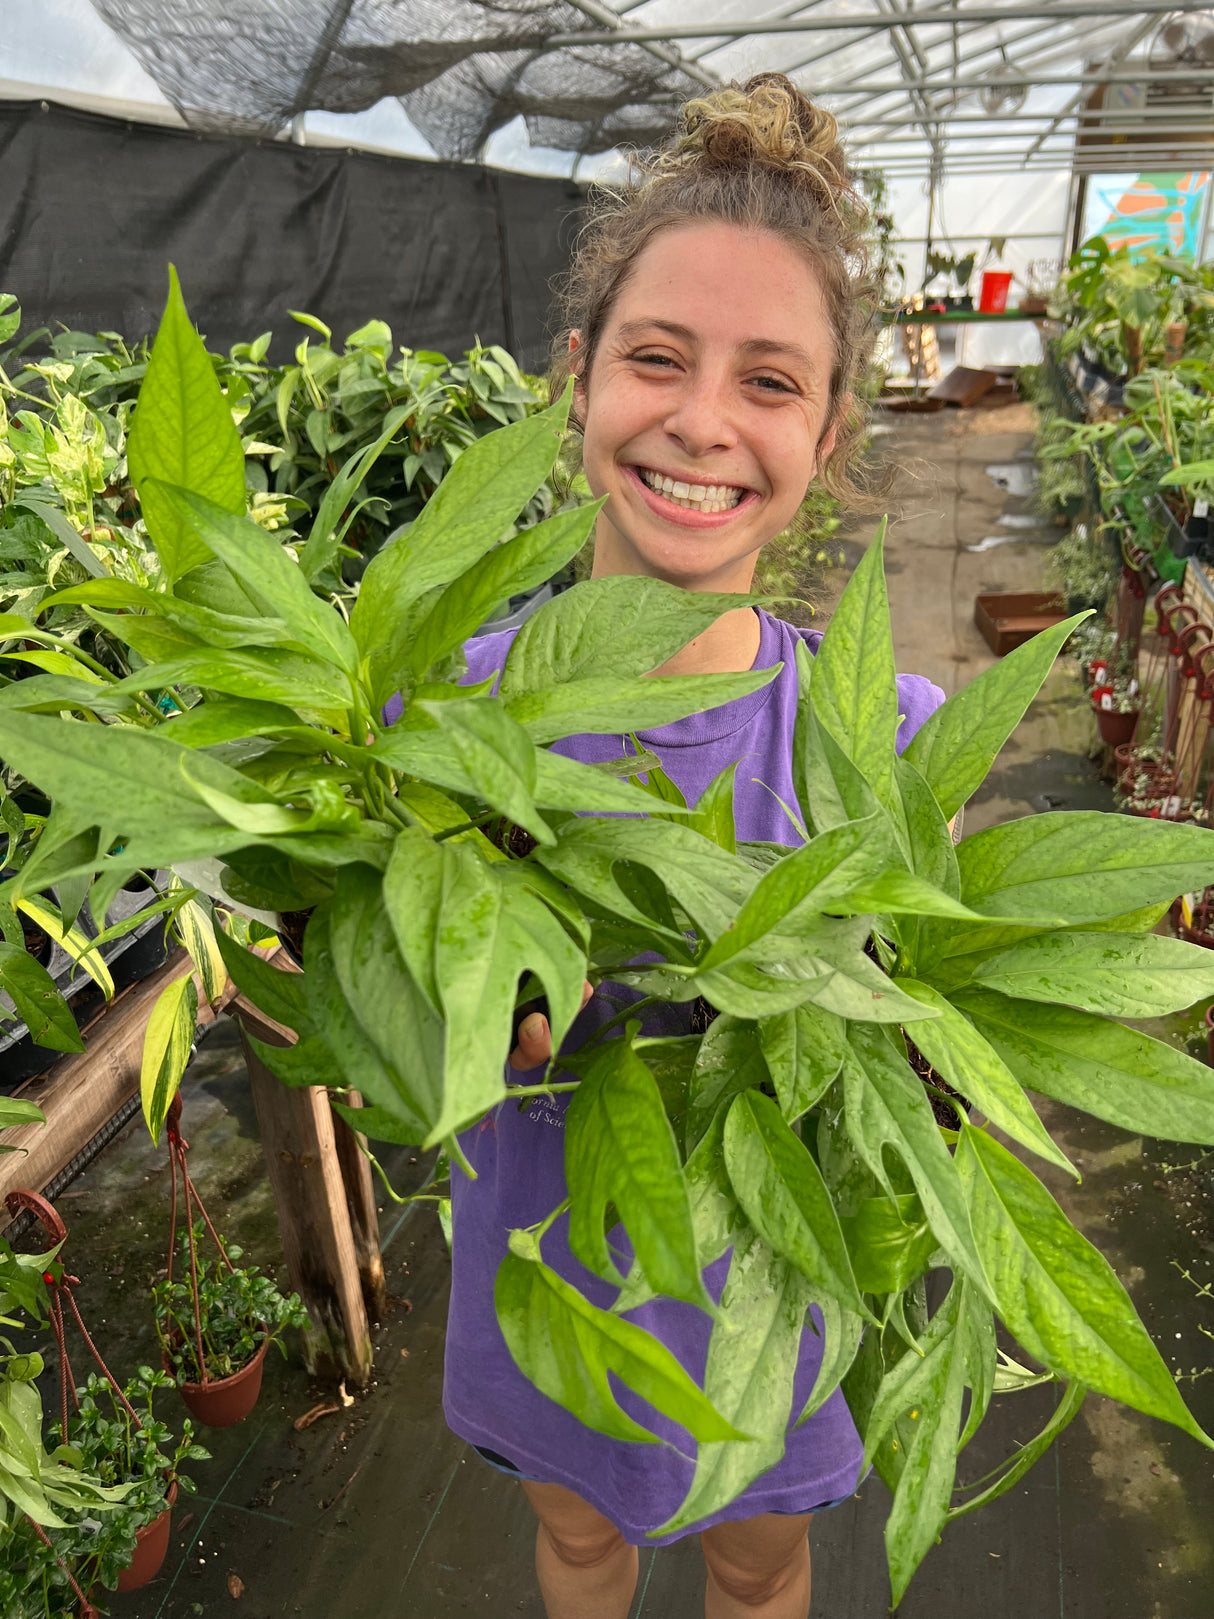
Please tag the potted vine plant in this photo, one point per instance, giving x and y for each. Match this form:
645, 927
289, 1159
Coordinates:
214, 1330
1117, 706
795, 1133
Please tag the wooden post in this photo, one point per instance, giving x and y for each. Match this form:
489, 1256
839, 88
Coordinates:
360, 1205
301, 1156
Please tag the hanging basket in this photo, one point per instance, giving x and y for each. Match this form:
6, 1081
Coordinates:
227, 1400
1116, 729
151, 1549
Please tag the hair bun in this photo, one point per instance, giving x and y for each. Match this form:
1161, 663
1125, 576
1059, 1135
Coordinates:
766, 122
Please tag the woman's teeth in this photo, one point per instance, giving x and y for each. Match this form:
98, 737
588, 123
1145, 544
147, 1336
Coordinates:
696, 497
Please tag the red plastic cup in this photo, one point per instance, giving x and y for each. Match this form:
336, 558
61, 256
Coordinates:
992, 299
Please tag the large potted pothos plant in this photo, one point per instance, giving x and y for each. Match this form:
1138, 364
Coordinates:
450, 870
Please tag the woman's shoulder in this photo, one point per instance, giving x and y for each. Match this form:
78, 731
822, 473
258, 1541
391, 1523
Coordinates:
918, 697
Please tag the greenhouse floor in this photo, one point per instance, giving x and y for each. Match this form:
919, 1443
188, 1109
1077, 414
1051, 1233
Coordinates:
374, 1509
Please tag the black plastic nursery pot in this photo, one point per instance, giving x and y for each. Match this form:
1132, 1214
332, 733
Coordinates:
228, 1400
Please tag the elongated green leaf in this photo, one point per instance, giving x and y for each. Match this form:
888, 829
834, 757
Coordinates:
832, 788
729, 1060
957, 744
886, 1106
372, 989
413, 891
752, 1363
649, 622
520, 564
567, 1348
713, 815
215, 629
267, 675
77, 945
497, 756
899, 893
195, 924
1119, 974
709, 883
804, 1052
971, 1066
487, 935
39, 1004
854, 691
266, 569
1055, 1292
75, 543
827, 867
780, 1187
1064, 1413
566, 784
607, 704
1118, 1074
167, 1044
620, 1150
929, 842
51, 694
470, 512
182, 434
280, 994
841, 1334
324, 536
223, 719
1083, 865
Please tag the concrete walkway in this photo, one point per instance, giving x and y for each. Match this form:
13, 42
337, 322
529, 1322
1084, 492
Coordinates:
376, 1511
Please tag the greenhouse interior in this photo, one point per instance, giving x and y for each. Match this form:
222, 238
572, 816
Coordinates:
606, 687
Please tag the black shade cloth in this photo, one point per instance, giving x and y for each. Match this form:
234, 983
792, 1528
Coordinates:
92, 209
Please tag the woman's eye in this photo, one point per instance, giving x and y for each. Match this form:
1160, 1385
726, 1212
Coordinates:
775, 385
653, 359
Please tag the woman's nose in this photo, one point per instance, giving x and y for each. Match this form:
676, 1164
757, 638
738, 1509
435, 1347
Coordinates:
701, 420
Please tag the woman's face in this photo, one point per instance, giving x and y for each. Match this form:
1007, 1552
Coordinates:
705, 405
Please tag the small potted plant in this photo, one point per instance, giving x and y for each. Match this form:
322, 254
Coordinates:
215, 1320
1117, 705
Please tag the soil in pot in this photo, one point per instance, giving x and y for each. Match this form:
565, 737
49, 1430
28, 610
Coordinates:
151, 1548
229, 1400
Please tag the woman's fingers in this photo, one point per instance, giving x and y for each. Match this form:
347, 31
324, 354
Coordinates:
535, 1037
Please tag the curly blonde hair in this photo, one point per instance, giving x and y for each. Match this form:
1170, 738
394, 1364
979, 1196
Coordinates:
760, 155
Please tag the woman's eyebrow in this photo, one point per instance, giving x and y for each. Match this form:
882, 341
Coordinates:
771, 346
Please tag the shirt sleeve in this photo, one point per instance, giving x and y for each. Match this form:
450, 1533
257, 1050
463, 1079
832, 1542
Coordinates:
917, 698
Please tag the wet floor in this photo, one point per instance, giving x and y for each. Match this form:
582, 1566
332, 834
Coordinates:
374, 1510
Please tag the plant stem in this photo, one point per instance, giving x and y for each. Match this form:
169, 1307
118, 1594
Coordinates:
625, 1014
516, 1091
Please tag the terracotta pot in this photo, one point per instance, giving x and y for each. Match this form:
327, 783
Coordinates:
1115, 728
229, 1400
151, 1548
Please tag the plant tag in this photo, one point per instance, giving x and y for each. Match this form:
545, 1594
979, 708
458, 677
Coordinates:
1201, 507
1106, 701
1171, 808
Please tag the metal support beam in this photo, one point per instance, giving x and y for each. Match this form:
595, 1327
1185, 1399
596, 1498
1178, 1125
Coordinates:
611, 18
1080, 96
820, 23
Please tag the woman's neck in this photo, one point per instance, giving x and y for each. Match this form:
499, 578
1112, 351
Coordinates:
728, 646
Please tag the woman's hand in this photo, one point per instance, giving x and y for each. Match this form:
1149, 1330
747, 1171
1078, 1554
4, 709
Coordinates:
535, 1038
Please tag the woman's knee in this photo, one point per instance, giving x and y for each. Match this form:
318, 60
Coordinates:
756, 1569
579, 1536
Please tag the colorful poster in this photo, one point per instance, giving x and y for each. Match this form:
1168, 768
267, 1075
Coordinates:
1148, 213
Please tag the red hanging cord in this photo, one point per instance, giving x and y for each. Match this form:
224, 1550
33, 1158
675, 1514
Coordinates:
178, 1147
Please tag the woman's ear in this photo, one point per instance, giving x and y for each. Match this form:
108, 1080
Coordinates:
826, 444
579, 381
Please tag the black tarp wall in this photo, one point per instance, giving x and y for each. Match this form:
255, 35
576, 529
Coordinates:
92, 209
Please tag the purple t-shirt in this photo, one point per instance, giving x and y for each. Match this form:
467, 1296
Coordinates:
519, 1160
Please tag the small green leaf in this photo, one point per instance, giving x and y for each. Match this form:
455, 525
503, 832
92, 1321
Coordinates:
38, 1003
182, 434
497, 756
280, 994
1055, 1292
804, 1051
568, 1348
167, 1044
890, 1242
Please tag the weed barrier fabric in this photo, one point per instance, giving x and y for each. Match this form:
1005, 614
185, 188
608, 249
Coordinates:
94, 208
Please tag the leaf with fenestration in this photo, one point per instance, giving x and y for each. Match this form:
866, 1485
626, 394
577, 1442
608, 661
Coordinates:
620, 1151
842, 1331
886, 1106
1123, 1075
1056, 1293
955, 746
608, 704
182, 433
38, 1003
972, 1067
528, 560
804, 1052
752, 1363
854, 692
568, 1349
167, 1043
1064, 1413
781, 1190
617, 627
1117, 974
1083, 865
265, 567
